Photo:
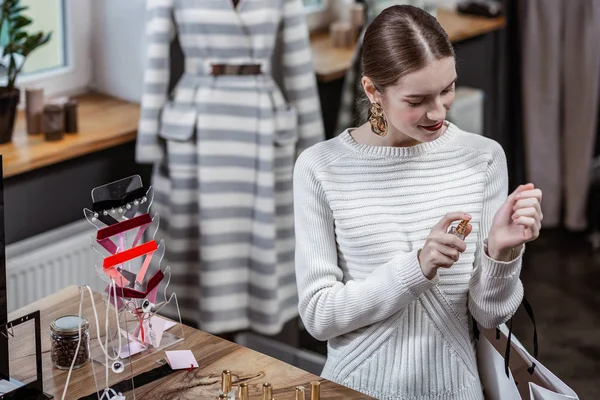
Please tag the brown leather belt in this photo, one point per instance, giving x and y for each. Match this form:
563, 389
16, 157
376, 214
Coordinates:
244, 69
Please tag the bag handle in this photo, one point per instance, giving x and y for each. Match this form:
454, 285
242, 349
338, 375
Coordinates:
529, 311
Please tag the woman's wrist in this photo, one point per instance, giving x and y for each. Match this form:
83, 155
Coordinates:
498, 253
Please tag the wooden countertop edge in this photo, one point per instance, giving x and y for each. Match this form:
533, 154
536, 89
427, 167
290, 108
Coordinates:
104, 122
75, 151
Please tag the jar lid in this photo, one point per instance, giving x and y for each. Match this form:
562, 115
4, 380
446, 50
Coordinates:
69, 325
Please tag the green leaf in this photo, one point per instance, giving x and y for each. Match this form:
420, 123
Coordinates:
33, 42
20, 36
17, 10
20, 22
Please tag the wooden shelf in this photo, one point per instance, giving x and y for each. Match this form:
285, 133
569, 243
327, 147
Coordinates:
461, 27
104, 122
331, 63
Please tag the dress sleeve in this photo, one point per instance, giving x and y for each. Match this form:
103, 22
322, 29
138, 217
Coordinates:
160, 30
299, 80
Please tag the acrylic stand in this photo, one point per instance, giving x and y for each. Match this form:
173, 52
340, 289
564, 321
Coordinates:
114, 203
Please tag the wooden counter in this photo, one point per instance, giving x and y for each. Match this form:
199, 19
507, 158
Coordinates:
104, 122
331, 63
461, 27
212, 353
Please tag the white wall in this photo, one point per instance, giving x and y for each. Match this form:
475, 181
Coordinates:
118, 43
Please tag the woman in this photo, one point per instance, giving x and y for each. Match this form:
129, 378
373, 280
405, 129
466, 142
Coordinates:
378, 274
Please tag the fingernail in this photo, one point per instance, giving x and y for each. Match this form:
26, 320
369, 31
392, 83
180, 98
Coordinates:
467, 215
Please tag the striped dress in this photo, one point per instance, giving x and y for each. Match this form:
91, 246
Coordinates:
223, 149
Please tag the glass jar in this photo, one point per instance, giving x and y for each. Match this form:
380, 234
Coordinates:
64, 336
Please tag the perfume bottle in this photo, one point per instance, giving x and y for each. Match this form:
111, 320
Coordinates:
300, 395
315, 390
267, 392
460, 230
244, 393
226, 389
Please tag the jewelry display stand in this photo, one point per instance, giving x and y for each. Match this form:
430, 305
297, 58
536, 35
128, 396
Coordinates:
113, 204
129, 261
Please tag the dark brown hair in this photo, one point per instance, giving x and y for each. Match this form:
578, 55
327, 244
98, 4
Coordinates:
400, 40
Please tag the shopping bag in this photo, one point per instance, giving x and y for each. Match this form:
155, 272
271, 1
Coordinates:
496, 384
516, 374
542, 383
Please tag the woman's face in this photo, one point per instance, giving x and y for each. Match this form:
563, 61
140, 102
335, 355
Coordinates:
416, 106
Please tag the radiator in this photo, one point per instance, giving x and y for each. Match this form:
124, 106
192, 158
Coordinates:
39, 266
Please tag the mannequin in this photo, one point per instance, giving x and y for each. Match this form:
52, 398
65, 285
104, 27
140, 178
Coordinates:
223, 144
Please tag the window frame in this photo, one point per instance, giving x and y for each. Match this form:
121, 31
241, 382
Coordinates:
75, 76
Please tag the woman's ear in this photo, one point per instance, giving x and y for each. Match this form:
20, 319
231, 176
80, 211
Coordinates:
370, 90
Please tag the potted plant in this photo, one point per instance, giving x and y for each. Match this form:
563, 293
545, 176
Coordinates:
16, 43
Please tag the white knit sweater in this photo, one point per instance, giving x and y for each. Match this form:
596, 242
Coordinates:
361, 214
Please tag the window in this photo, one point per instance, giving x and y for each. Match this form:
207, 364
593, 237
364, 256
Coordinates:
63, 65
47, 16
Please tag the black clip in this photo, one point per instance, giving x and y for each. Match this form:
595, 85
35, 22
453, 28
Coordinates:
5, 332
531, 369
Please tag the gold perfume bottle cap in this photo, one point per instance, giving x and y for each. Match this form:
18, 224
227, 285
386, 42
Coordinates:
267, 391
462, 227
315, 390
244, 393
300, 393
226, 381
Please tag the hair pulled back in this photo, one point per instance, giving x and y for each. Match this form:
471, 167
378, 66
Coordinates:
400, 40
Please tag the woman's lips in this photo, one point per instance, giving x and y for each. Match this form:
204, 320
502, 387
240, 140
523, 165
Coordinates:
433, 128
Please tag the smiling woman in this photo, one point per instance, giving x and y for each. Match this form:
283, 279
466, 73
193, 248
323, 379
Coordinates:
380, 275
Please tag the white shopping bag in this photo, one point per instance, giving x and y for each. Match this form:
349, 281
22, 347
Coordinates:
496, 385
528, 379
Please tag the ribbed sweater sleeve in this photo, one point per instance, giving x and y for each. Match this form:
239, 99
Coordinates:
495, 290
328, 306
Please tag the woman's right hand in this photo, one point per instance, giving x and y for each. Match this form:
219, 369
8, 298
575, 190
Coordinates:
442, 249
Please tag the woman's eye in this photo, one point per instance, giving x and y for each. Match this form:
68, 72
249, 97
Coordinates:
446, 91
415, 104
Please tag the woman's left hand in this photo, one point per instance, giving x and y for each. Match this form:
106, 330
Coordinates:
516, 222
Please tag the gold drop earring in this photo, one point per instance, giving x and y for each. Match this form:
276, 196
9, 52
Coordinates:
377, 120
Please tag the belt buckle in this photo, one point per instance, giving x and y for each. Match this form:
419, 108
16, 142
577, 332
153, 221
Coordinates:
232, 69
